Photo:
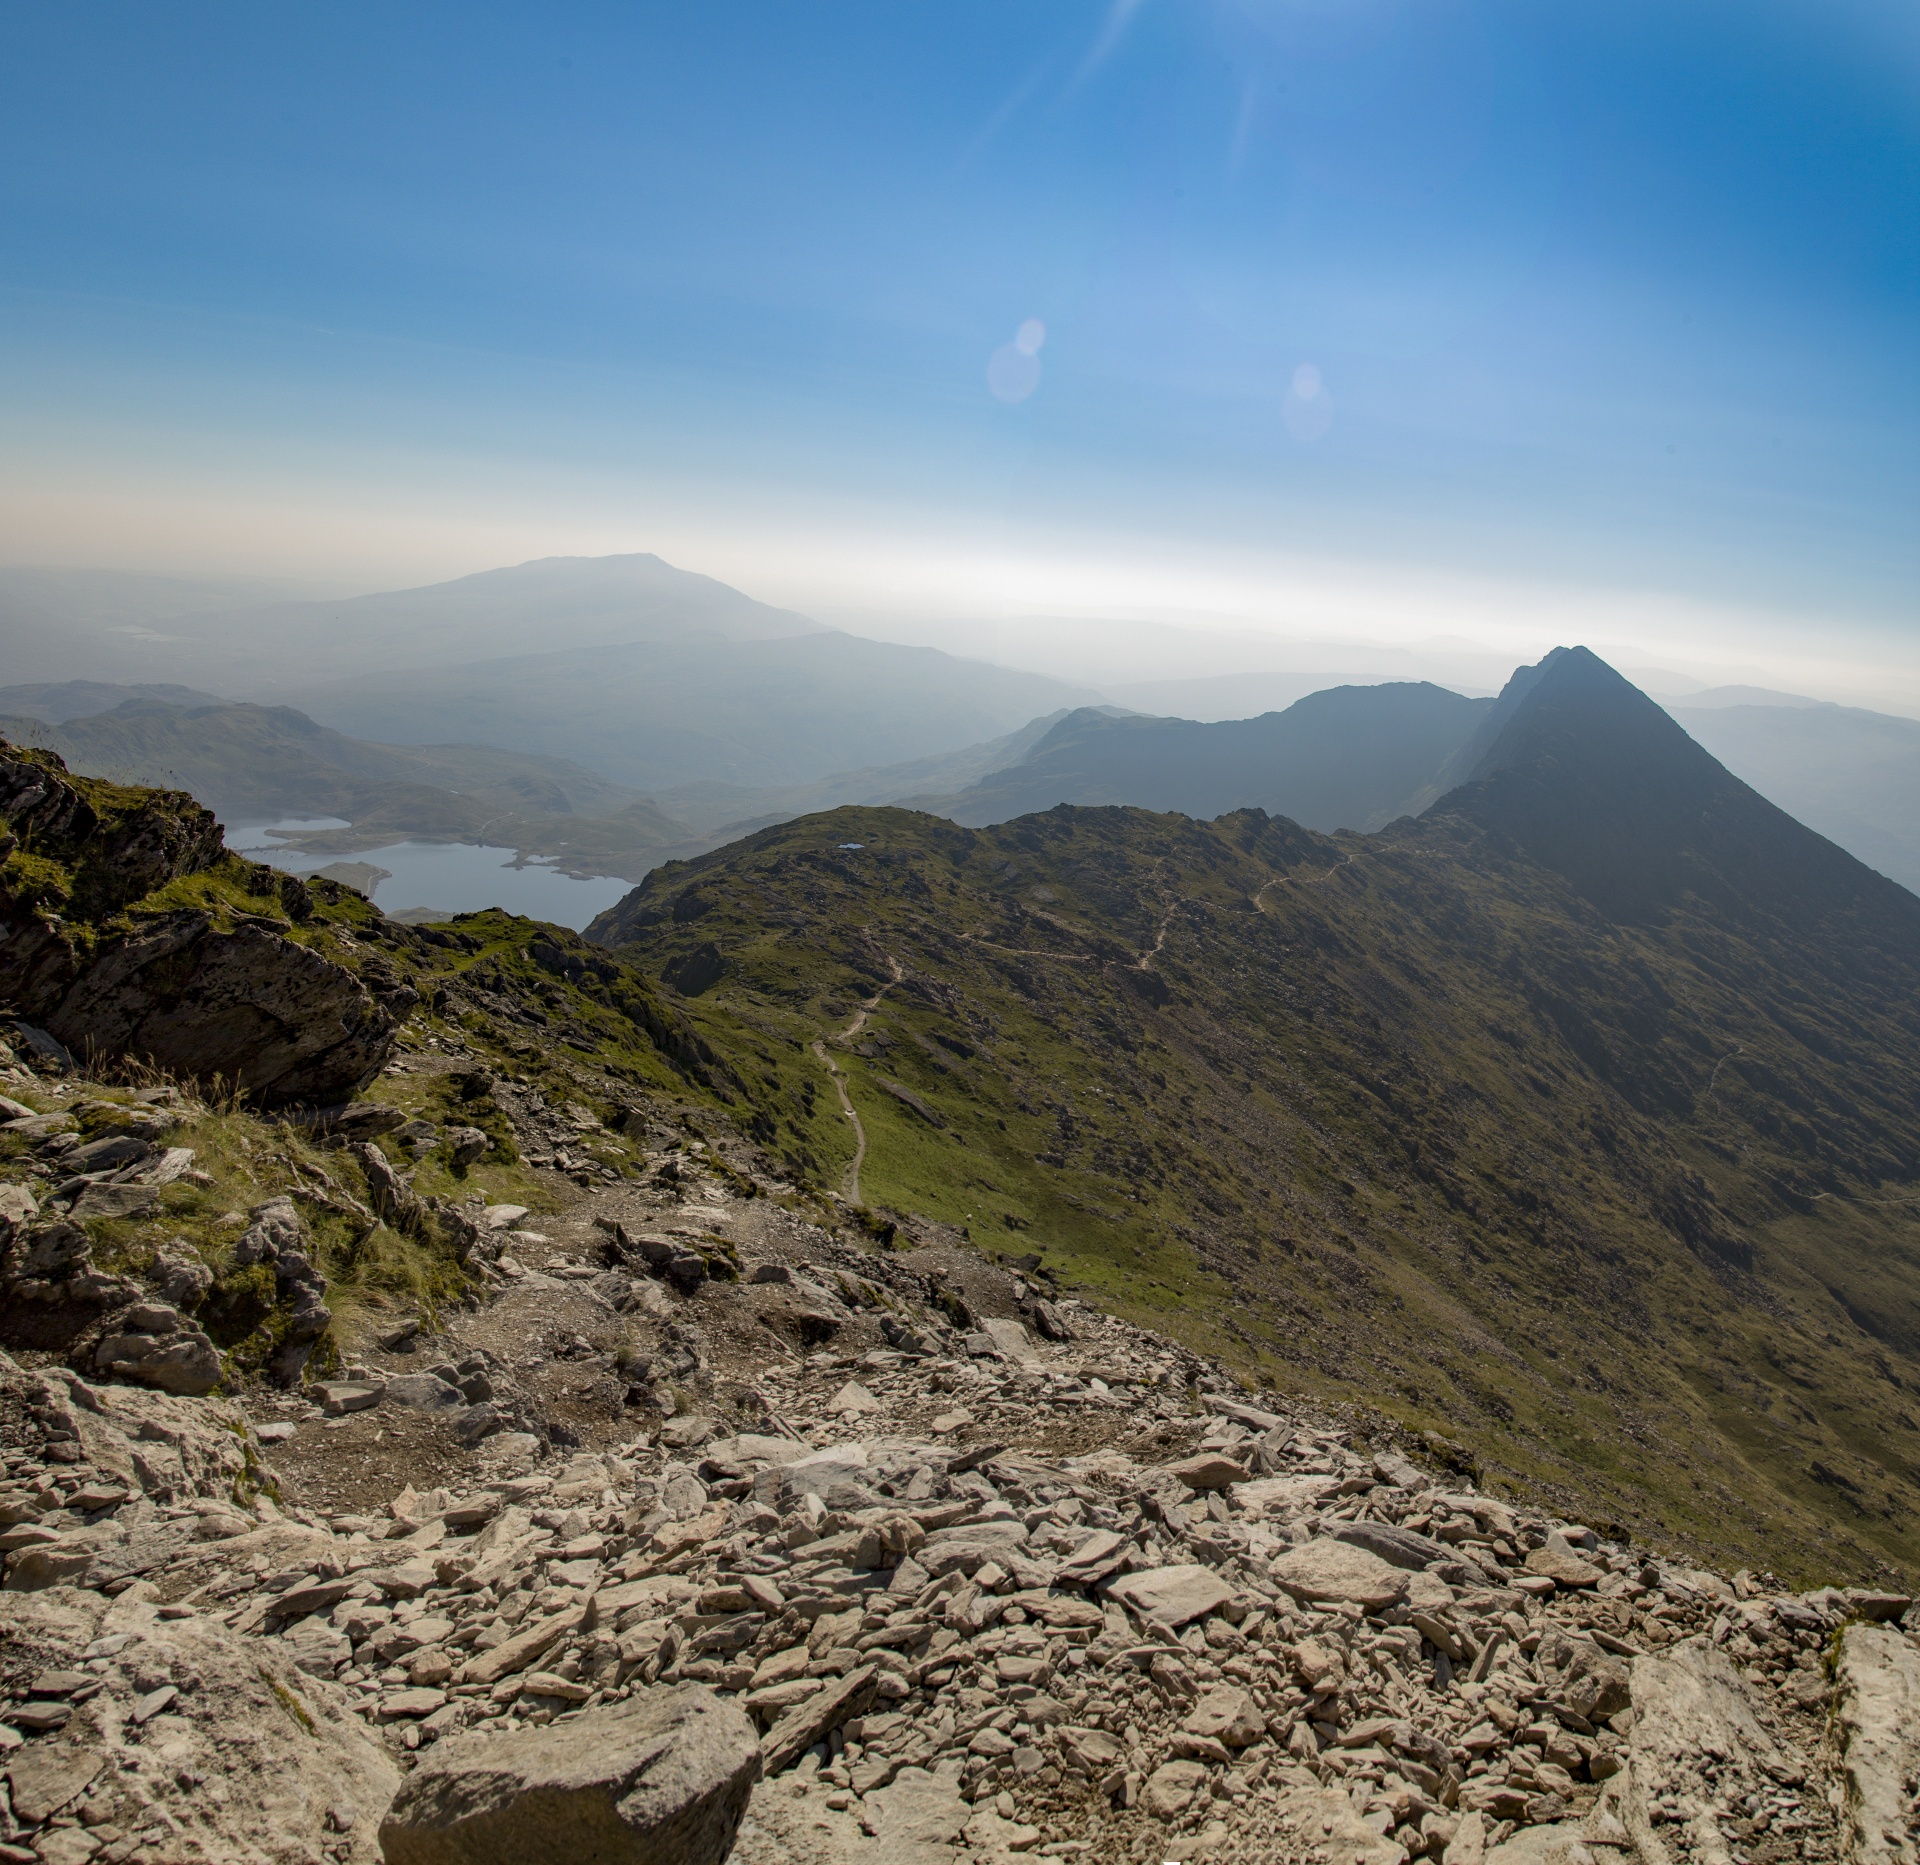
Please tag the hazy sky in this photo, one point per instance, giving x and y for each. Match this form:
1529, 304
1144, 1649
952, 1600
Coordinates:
1396, 316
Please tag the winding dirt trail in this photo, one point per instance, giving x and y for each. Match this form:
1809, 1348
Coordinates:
838, 1076
1295, 880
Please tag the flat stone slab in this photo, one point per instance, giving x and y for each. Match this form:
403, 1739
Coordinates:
424, 1392
1172, 1595
350, 1395
1878, 1717
1226, 1714
1327, 1571
1210, 1470
1398, 1547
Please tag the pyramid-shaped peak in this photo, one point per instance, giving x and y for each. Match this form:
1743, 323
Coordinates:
1575, 709
1586, 775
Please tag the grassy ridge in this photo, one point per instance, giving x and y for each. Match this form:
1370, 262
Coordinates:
1398, 1118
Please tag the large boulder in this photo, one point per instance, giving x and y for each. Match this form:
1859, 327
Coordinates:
280, 1766
1173, 1595
1877, 1723
279, 1020
661, 1779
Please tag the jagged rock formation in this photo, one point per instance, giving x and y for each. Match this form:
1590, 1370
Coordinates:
190, 987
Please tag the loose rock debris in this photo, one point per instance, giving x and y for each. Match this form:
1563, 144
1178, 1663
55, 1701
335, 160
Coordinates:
991, 1574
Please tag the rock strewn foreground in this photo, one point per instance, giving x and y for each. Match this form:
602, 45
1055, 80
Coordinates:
1269, 1642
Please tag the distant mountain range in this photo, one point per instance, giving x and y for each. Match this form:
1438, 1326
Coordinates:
729, 714
1853, 775
1351, 757
258, 764
1577, 1118
650, 675
664, 714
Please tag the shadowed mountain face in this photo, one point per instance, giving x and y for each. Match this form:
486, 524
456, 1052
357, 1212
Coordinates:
1346, 758
1585, 775
1579, 1118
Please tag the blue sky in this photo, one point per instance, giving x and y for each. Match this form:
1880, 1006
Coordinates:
1617, 304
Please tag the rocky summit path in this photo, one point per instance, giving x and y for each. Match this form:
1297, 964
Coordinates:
984, 1573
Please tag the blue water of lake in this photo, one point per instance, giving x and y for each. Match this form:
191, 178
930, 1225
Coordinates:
455, 877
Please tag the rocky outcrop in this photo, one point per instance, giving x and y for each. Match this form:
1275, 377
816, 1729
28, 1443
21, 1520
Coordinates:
282, 1022
662, 1777
240, 1002
158, 1346
956, 1593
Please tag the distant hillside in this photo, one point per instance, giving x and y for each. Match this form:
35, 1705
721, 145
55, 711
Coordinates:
1346, 758
1851, 774
79, 699
259, 763
702, 709
264, 648
1578, 1119
712, 807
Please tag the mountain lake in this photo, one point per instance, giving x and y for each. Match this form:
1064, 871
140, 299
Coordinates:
441, 877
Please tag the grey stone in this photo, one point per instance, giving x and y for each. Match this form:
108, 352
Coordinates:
354, 1120
826, 1710
1686, 1704
424, 1392
1010, 1338
662, 1779
1226, 1714
108, 1154
1591, 1683
1209, 1470
1398, 1547
1325, 1570
1172, 1595
1558, 1563
350, 1395
107, 1201
468, 1145
160, 1347
182, 1278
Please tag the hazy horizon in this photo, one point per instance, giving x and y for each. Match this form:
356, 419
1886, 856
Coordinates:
1357, 325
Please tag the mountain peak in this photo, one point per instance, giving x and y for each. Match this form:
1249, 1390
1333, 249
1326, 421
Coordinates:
1591, 778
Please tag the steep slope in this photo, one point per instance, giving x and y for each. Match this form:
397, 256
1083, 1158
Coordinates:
1589, 777
1853, 775
1610, 1173
661, 714
1345, 758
